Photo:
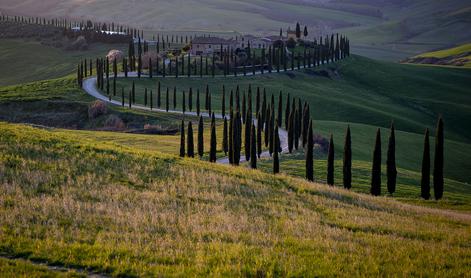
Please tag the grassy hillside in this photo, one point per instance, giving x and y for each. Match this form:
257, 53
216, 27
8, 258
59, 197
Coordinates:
389, 29
25, 61
459, 56
114, 210
366, 94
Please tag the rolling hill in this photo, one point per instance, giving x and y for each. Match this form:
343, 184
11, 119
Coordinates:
388, 29
104, 208
454, 57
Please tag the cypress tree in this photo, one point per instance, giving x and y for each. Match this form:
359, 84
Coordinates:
206, 102
291, 132
183, 102
259, 134
231, 139
248, 124
276, 147
330, 162
158, 95
225, 143
438, 161
425, 180
253, 148
133, 90
391, 170
280, 109
145, 97
223, 102
287, 111
244, 108
347, 160
209, 103
212, 153
150, 68
198, 110
129, 99
190, 146
182, 139
122, 96
167, 101
231, 101
190, 99
257, 101
174, 98
376, 168
310, 154
200, 137
237, 138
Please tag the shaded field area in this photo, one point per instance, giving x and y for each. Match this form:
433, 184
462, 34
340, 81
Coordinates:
118, 211
26, 60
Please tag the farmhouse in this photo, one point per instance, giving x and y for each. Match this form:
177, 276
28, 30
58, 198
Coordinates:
209, 45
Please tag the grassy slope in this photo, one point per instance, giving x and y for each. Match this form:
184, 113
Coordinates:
33, 61
116, 210
371, 94
463, 51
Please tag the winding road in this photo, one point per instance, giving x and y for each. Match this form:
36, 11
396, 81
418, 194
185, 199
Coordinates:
89, 85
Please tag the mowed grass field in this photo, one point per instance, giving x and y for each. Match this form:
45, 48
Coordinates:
84, 204
365, 94
26, 60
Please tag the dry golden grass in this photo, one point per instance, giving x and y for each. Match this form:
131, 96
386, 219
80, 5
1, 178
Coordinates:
122, 212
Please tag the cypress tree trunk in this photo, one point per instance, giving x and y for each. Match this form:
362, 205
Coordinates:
391, 170
438, 161
347, 160
259, 134
425, 180
212, 153
190, 145
276, 146
253, 148
376, 169
225, 143
182, 139
330, 162
200, 137
310, 154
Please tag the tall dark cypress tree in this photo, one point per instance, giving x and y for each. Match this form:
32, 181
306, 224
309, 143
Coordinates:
291, 132
253, 147
190, 144
287, 111
438, 161
276, 146
223, 102
182, 139
248, 124
347, 160
425, 180
257, 101
244, 108
231, 138
330, 162
183, 102
259, 134
174, 98
310, 154
212, 151
376, 168
280, 109
198, 109
190, 99
391, 170
225, 143
167, 101
158, 95
200, 137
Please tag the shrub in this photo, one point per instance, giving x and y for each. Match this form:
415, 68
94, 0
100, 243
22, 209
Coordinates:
114, 122
96, 109
115, 54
